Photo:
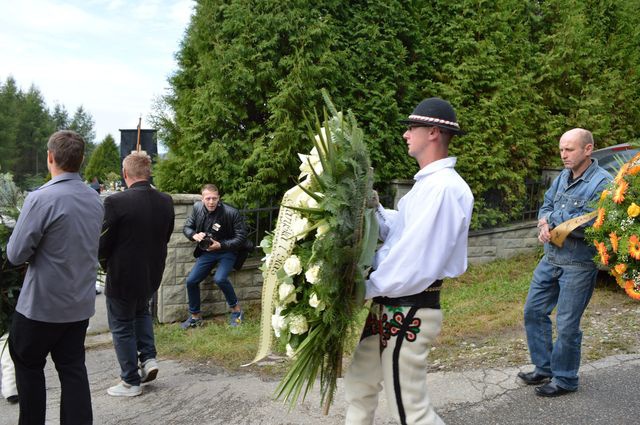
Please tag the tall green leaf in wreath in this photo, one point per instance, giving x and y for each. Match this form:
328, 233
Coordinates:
316, 261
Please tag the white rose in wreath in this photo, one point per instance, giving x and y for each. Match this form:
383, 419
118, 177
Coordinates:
286, 293
278, 322
292, 266
313, 274
300, 227
298, 324
315, 302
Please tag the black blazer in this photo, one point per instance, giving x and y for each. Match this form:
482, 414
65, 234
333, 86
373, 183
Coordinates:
133, 247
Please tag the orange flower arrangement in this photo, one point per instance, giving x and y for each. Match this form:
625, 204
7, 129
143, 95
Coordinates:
599, 219
634, 247
614, 241
602, 252
621, 173
631, 290
620, 268
618, 195
616, 230
634, 170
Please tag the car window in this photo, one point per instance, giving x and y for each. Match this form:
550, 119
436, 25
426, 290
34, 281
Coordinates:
614, 160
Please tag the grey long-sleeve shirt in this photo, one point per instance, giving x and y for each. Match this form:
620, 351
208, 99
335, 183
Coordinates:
57, 233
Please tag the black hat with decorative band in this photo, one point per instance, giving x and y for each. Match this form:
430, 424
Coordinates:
434, 112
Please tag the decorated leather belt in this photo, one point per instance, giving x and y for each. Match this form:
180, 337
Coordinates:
429, 298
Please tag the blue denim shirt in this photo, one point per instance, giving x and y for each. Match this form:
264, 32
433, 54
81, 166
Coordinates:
563, 202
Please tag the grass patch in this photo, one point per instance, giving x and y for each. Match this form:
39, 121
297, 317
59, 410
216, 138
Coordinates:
483, 324
230, 347
487, 299
215, 341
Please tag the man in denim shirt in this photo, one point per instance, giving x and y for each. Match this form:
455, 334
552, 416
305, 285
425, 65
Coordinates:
566, 276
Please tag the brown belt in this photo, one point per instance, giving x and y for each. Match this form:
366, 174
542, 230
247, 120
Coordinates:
429, 298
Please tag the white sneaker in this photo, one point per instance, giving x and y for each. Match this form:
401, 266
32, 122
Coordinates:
148, 370
124, 390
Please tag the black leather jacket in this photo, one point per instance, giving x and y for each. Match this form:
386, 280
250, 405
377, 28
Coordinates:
232, 233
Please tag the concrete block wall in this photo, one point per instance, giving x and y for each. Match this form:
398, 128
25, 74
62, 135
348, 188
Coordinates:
484, 245
503, 242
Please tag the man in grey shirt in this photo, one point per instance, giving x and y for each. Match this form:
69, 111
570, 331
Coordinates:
57, 234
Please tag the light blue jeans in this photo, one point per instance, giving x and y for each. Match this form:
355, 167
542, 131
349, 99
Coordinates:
569, 288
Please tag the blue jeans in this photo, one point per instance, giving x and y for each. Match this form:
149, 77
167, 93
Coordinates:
202, 268
132, 329
569, 287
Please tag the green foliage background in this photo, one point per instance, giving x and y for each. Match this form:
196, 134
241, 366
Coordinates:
104, 160
25, 126
518, 72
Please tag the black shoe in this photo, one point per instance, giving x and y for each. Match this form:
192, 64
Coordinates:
533, 378
12, 399
551, 390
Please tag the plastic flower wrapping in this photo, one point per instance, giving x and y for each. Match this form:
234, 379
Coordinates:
317, 257
11, 276
615, 232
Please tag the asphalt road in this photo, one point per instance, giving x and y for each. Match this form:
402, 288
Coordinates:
195, 393
606, 396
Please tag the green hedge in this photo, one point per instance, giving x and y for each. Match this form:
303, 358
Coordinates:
518, 72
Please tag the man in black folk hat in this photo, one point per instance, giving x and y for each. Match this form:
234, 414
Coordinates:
425, 240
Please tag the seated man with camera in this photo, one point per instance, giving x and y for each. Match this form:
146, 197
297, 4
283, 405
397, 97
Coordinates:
219, 231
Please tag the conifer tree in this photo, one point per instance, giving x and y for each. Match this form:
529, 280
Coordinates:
518, 72
9, 98
104, 160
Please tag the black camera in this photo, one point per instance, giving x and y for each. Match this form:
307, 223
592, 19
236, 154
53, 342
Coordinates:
206, 242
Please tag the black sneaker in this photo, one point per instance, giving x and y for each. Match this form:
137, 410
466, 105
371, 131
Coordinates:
13, 399
191, 322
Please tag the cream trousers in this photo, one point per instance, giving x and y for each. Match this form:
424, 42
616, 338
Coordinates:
393, 354
8, 372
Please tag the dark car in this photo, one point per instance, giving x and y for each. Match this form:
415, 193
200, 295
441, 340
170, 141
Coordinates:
612, 157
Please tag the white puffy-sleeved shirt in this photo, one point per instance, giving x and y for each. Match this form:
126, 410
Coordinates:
426, 239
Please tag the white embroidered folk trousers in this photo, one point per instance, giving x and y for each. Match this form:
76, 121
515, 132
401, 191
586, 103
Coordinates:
404, 334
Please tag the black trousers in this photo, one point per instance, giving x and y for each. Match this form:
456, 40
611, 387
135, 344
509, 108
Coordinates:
30, 341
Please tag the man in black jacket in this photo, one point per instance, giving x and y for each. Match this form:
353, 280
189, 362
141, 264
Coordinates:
219, 232
133, 248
